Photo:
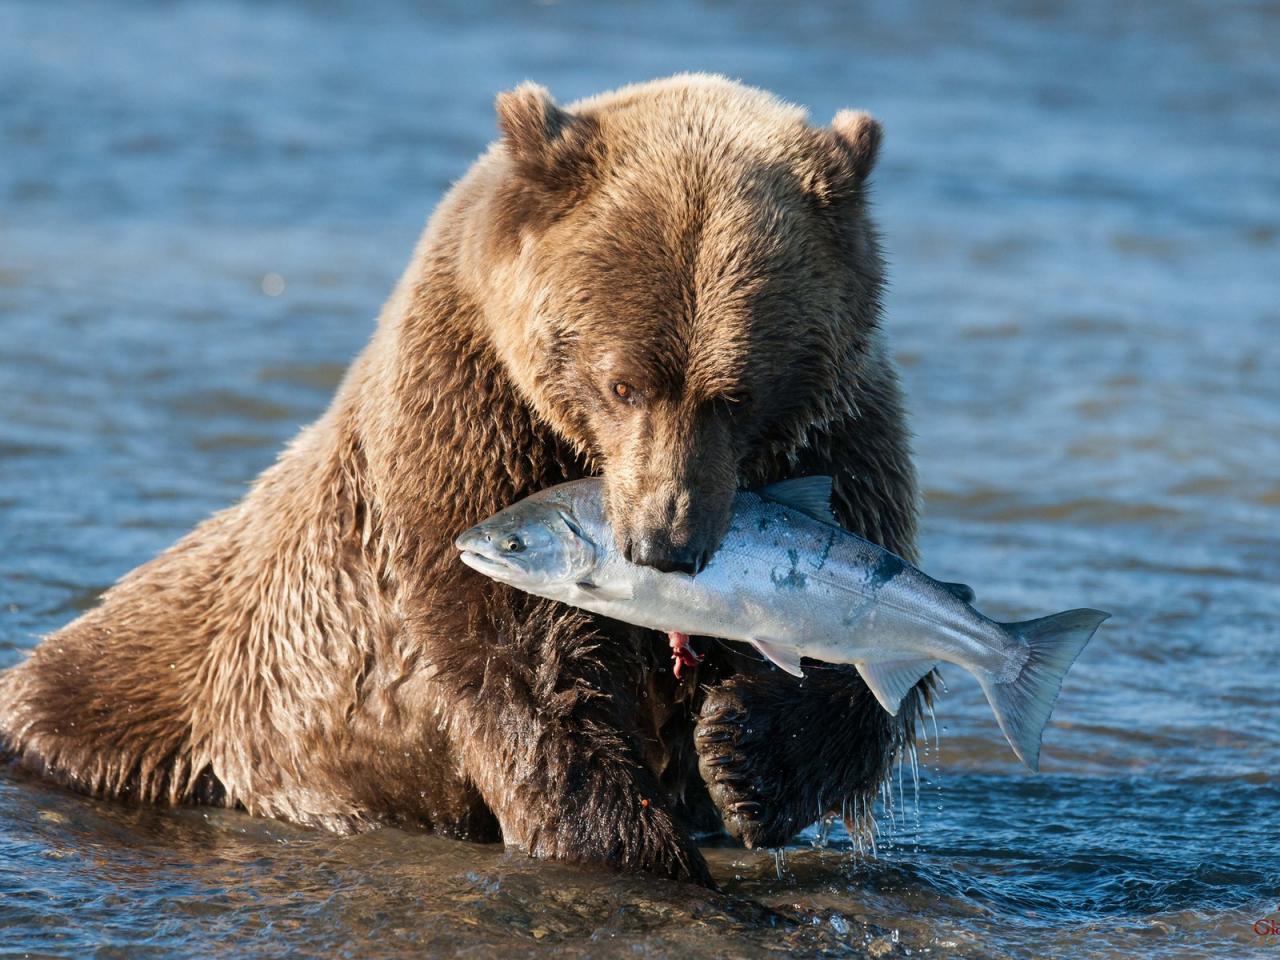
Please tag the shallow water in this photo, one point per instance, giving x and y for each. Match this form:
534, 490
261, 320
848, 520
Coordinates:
203, 205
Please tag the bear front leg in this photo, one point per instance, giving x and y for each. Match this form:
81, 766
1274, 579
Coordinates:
779, 752
540, 714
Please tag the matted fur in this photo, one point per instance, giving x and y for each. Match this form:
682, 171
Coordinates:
317, 653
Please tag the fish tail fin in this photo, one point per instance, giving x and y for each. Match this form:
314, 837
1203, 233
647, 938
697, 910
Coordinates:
1022, 705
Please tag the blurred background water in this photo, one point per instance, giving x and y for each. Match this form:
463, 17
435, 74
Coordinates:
203, 204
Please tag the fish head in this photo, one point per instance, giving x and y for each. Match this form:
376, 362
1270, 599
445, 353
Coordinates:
536, 545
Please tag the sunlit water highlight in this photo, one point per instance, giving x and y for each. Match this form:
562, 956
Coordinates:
202, 206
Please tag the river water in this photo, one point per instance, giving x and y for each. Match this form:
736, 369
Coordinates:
203, 204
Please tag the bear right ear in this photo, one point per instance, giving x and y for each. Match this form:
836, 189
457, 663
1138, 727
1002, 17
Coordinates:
848, 153
548, 144
860, 133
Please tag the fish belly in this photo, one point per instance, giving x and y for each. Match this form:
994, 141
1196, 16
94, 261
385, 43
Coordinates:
839, 599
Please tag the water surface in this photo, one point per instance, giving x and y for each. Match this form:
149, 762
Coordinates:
202, 206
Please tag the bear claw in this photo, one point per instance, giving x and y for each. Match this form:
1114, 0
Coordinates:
711, 715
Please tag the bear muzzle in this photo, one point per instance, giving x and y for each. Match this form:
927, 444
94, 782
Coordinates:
657, 551
675, 532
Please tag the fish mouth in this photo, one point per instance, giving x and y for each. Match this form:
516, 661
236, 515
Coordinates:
485, 564
477, 551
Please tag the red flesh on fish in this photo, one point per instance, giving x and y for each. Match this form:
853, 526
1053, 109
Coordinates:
682, 652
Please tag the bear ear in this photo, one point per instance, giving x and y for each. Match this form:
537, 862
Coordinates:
860, 134
547, 143
849, 150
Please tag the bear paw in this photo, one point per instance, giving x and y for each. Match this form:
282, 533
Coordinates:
747, 758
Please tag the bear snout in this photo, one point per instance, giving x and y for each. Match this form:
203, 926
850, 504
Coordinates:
675, 532
657, 551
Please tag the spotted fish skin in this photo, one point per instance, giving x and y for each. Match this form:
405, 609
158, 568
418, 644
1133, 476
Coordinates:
791, 582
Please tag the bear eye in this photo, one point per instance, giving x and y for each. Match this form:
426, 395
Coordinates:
624, 391
512, 544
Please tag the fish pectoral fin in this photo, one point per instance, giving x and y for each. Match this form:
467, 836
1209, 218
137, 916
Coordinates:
891, 680
808, 495
783, 659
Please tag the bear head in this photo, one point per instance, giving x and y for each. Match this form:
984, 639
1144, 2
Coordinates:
682, 279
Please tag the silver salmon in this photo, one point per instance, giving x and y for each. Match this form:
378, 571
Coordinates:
788, 580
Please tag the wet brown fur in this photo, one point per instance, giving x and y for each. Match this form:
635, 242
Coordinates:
317, 653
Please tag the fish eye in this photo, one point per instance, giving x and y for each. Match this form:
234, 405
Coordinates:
512, 544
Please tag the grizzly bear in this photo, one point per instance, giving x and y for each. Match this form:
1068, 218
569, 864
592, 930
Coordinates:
676, 286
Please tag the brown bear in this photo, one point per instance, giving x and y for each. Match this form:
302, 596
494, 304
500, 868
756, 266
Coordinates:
675, 285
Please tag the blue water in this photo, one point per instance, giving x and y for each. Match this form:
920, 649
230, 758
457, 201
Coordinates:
202, 206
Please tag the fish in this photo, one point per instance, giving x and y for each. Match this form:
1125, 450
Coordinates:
791, 582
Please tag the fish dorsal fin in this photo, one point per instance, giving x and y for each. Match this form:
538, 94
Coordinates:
784, 659
891, 680
808, 495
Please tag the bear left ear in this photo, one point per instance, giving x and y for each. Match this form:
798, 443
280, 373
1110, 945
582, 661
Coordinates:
548, 144
860, 133
849, 150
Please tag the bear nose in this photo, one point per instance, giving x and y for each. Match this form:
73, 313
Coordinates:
656, 553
